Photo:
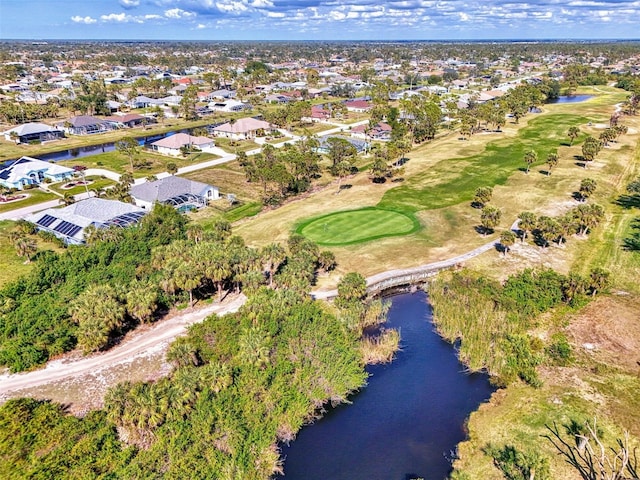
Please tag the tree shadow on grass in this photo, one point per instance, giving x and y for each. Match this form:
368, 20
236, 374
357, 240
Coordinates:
346, 186
544, 172
484, 231
628, 201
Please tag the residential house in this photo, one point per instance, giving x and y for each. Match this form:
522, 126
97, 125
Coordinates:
229, 106
359, 106
129, 120
32, 171
323, 147
84, 125
181, 193
33, 132
70, 223
380, 132
173, 144
243, 128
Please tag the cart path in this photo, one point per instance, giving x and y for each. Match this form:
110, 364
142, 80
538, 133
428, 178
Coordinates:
142, 341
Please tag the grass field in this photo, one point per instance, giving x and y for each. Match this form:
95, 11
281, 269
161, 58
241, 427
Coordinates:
356, 226
153, 162
11, 265
35, 196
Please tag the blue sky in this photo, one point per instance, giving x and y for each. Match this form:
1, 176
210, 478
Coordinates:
318, 19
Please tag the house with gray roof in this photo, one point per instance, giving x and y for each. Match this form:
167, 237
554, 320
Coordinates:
33, 132
30, 171
70, 223
183, 194
85, 125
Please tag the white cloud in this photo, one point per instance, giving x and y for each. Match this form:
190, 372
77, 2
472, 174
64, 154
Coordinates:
86, 20
177, 13
231, 6
119, 18
129, 3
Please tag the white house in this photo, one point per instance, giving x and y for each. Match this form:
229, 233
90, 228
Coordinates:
172, 144
31, 171
243, 128
180, 192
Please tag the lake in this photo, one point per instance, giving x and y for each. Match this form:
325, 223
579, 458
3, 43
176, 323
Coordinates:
570, 99
408, 420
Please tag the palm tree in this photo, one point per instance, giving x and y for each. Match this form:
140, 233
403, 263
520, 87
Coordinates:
13, 135
587, 188
483, 196
490, 218
573, 286
573, 133
25, 247
507, 239
187, 278
599, 280
172, 168
552, 161
142, 300
97, 311
527, 223
530, 158
273, 255
67, 199
548, 229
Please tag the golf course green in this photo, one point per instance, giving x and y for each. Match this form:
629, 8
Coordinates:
357, 226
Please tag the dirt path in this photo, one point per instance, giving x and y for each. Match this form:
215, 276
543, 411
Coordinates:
145, 342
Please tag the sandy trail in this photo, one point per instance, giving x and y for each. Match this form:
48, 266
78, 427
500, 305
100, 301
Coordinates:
143, 342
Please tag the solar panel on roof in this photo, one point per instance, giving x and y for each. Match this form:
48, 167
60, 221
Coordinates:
46, 220
67, 228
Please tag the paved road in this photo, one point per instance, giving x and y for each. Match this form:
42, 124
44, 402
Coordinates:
224, 158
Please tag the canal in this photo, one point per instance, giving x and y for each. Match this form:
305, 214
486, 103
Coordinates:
406, 423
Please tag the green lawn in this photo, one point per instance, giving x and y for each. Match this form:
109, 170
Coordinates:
95, 183
152, 163
357, 226
453, 181
35, 196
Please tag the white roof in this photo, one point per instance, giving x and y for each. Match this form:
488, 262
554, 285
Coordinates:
30, 128
181, 139
243, 125
22, 167
71, 221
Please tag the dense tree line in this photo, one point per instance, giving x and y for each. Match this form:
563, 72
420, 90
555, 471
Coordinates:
242, 383
491, 320
41, 314
285, 171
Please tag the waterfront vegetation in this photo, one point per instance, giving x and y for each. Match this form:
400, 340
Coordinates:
554, 325
281, 348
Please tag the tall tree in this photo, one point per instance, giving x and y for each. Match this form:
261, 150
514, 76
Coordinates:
587, 188
552, 161
490, 218
507, 239
530, 158
128, 146
573, 133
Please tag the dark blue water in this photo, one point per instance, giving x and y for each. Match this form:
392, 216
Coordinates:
406, 422
570, 99
88, 151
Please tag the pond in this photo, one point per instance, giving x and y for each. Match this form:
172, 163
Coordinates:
406, 423
74, 153
570, 99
